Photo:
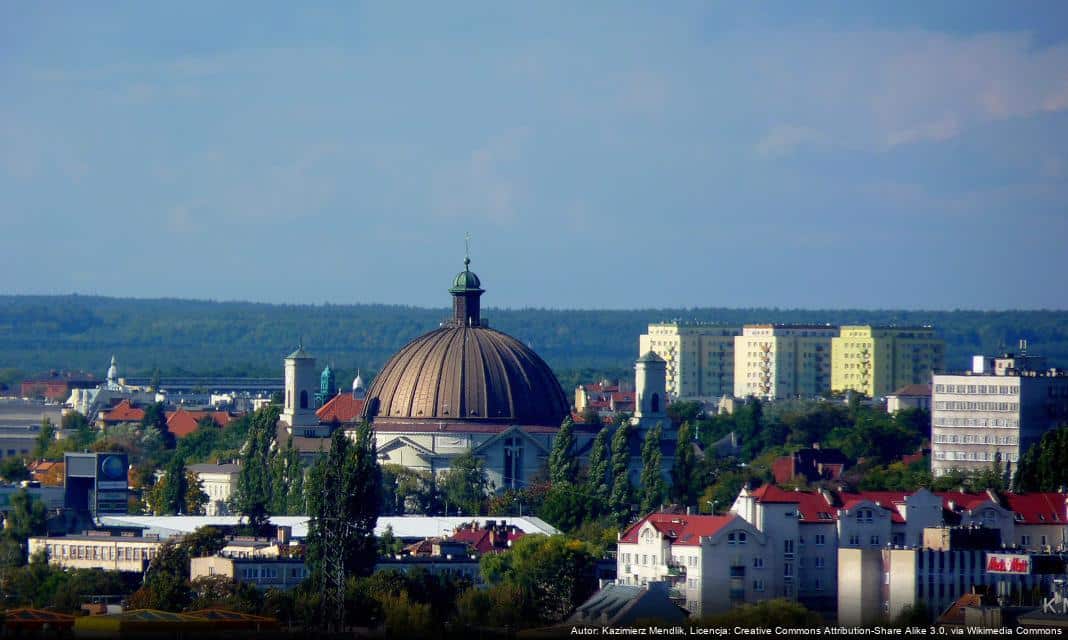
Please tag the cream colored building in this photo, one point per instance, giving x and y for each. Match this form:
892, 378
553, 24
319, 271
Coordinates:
877, 360
700, 358
98, 551
774, 362
262, 573
220, 482
994, 411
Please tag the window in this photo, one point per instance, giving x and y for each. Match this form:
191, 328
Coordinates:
788, 546
758, 563
819, 562
865, 515
1025, 541
758, 585
820, 539
303, 399
738, 537
854, 540
788, 570
818, 584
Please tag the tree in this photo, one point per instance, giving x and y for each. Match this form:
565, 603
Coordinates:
590, 415
684, 468
344, 500
597, 479
254, 487
26, 517
652, 480
553, 574
156, 418
464, 485
195, 498
153, 384
619, 501
44, 438
13, 469
563, 468
1042, 467
171, 489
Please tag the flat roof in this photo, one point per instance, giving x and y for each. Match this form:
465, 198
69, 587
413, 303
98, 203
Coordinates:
415, 527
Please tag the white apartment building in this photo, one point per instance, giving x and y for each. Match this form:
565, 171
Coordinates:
998, 409
712, 562
773, 361
98, 550
700, 358
220, 482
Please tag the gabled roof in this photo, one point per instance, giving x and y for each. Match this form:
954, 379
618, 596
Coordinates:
811, 505
182, 422
914, 391
962, 500
684, 530
124, 412
342, 408
1037, 508
888, 500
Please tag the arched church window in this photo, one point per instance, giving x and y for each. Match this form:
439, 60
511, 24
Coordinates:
303, 399
654, 404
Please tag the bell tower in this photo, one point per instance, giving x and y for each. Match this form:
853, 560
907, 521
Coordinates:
650, 392
299, 408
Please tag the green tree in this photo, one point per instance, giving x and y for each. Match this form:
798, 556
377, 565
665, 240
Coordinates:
344, 499
563, 468
553, 574
44, 438
194, 499
156, 418
13, 469
26, 517
1042, 467
684, 469
597, 478
464, 485
171, 488
652, 479
620, 500
254, 482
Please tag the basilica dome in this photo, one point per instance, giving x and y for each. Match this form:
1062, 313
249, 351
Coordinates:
465, 372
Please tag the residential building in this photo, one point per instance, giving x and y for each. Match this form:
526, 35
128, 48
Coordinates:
220, 482
996, 411
700, 358
56, 385
98, 550
910, 396
260, 572
607, 398
779, 361
711, 562
620, 605
18, 441
810, 465
876, 360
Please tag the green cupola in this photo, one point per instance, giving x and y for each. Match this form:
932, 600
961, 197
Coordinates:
466, 291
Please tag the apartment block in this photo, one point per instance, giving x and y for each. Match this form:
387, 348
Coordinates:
877, 360
778, 361
98, 550
996, 411
700, 358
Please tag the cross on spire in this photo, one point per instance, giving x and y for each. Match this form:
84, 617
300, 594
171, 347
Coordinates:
467, 249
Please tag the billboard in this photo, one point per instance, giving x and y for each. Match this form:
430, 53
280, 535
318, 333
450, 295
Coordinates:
111, 471
1012, 563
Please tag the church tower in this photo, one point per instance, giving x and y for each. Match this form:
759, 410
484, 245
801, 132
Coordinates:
650, 393
299, 408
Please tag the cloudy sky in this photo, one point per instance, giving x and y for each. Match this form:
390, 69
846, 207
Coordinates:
853, 154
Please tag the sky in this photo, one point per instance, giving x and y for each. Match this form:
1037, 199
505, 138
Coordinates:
601, 155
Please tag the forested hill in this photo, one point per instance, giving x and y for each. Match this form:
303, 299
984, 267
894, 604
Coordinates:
38, 333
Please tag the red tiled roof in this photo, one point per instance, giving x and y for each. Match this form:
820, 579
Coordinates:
681, 529
1037, 508
342, 408
479, 539
182, 422
914, 391
889, 500
963, 500
124, 412
812, 506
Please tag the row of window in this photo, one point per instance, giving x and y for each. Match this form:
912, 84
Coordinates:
980, 456
958, 405
978, 389
270, 573
968, 438
96, 552
1010, 423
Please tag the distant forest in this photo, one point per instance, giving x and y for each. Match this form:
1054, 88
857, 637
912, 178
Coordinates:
194, 337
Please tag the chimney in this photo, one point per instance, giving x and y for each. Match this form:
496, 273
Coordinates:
284, 534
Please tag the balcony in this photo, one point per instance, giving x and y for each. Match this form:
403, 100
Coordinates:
676, 570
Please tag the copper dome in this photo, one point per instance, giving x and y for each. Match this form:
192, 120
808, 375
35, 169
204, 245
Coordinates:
465, 371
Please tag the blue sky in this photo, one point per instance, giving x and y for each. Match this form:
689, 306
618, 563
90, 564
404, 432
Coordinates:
606, 155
